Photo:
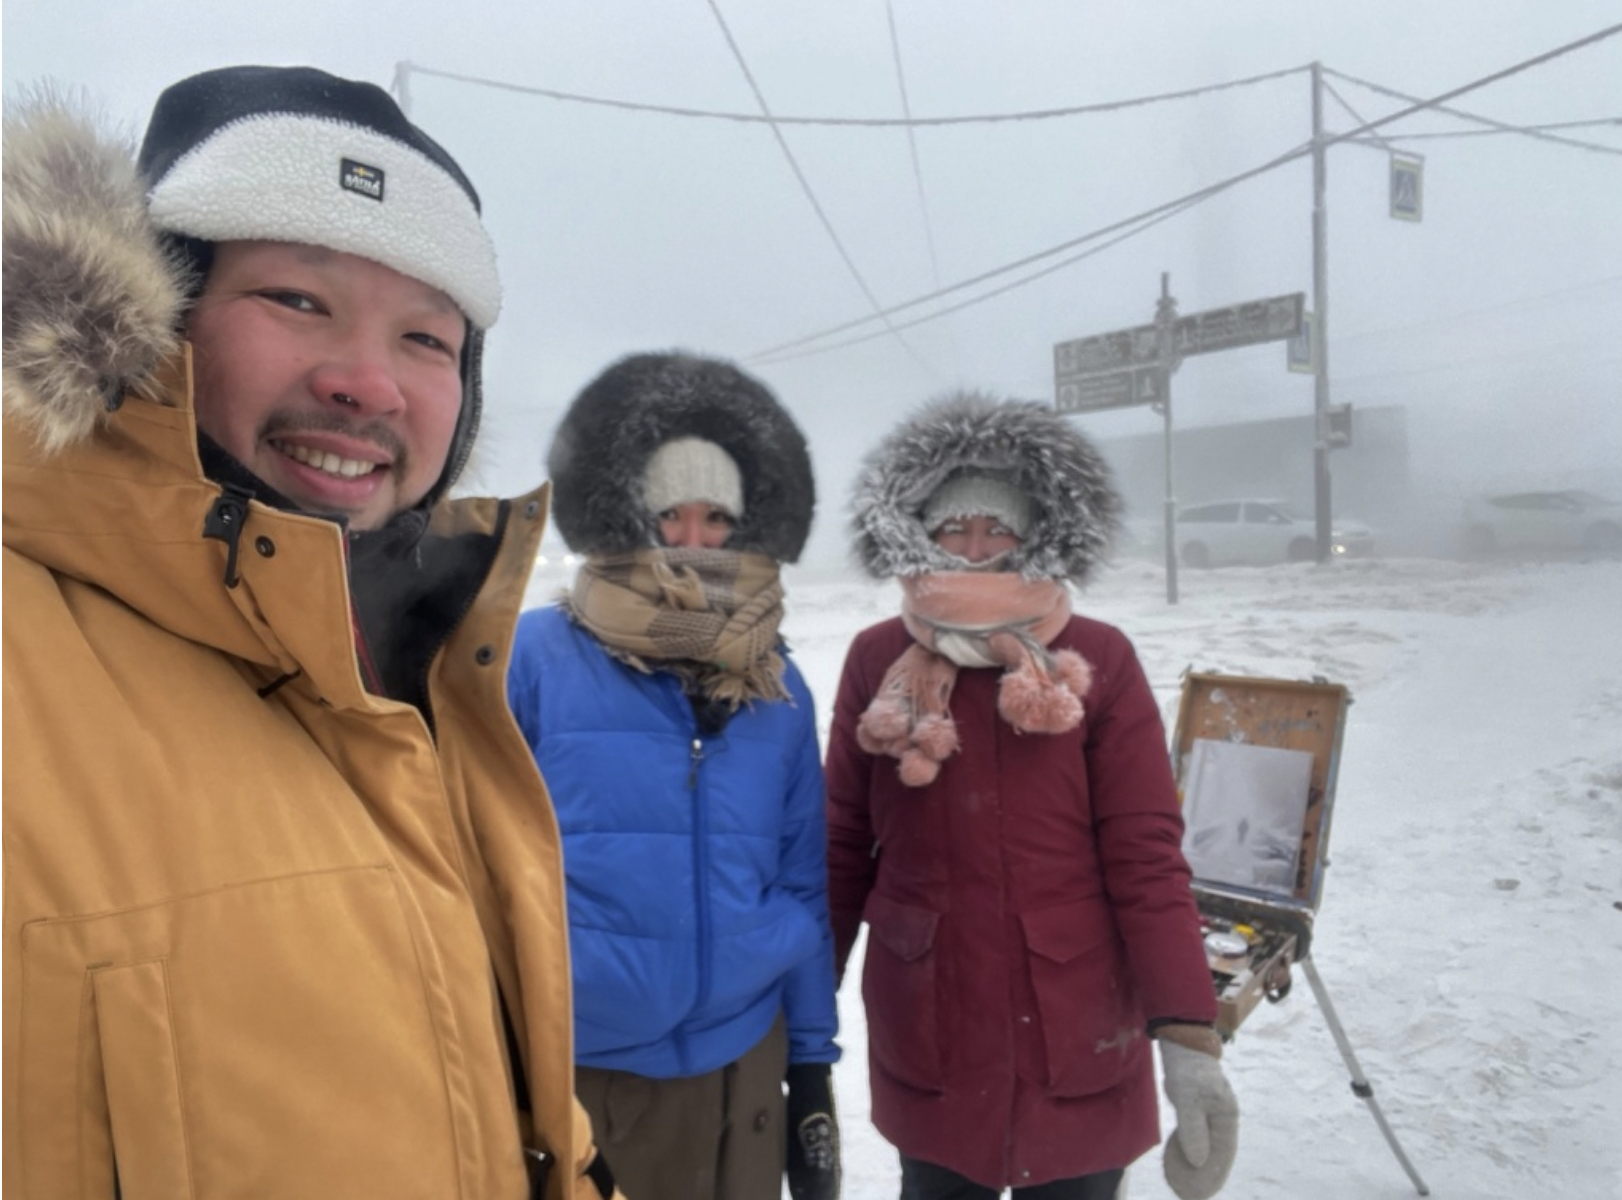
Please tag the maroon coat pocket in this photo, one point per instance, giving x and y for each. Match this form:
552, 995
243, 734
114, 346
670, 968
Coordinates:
899, 988
1090, 1019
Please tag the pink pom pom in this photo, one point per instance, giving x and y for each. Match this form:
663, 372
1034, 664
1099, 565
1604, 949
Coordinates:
886, 719
867, 741
1031, 703
1019, 695
1074, 671
916, 770
936, 737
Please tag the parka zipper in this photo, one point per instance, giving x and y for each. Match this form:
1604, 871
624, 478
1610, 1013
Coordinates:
701, 908
696, 758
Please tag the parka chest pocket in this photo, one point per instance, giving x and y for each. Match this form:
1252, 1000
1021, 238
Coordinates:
162, 1038
1090, 1019
900, 990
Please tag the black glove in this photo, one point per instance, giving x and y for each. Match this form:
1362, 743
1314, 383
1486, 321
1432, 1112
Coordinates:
813, 1133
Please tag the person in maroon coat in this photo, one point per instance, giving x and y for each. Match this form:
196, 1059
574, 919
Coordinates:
1002, 814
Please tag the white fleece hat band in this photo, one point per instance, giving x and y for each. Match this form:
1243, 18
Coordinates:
690, 469
288, 177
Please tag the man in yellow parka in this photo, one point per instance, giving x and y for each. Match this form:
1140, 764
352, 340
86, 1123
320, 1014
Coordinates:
268, 929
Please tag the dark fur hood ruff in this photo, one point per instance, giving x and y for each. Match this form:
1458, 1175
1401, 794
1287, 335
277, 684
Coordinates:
92, 299
601, 450
1026, 444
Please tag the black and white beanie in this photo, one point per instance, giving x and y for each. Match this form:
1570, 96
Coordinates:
619, 427
293, 154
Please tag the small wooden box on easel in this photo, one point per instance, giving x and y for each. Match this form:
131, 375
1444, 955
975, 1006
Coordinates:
1256, 762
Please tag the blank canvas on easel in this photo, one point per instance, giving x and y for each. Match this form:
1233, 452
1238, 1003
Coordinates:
1243, 807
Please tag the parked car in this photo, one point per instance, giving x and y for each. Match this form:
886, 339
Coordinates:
1543, 521
1141, 537
1225, 532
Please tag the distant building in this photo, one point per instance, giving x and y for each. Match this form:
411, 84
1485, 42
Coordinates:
1370, 479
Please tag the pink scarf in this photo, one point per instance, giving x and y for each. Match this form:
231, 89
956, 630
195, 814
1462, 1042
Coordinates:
973, 619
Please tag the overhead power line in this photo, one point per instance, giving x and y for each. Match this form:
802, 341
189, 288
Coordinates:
1498, 126
805, 186
1046, 114
1334, 93
1592, 123
1434, 103
912, 146
1471, 314
1136, 225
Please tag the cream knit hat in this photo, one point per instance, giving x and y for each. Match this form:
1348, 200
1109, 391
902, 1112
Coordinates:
969, 494
686, 469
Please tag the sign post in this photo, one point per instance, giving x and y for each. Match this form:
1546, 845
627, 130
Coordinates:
1165, 327
1127, 367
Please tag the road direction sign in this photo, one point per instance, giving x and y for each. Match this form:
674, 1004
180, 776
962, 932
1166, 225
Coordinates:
1270, 320
1123, 367
1112, 351
1109, 389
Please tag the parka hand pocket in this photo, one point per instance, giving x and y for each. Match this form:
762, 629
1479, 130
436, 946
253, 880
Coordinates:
899, 990
1090, 1019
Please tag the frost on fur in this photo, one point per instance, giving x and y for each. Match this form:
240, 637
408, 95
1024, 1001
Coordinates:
91, 300
1030, 445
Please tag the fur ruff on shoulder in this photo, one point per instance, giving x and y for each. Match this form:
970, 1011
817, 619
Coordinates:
1027, 444
601, 450
92, 299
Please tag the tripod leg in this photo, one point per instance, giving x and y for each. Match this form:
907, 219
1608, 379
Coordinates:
1361, 1087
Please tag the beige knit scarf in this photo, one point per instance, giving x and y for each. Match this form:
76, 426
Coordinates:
973, 619
708, 616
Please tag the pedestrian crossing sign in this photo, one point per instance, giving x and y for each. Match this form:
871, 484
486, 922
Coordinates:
1407, 187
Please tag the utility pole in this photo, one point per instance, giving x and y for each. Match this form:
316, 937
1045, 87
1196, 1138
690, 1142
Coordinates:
402, 85
1165, 323
1320, 308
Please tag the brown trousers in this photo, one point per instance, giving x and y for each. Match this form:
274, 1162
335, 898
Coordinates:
709, 1137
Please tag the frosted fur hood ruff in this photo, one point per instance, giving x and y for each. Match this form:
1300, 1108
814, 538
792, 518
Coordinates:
92, 300
1025, 444
601, 450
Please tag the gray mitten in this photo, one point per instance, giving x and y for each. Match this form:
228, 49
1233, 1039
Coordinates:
1200, 1151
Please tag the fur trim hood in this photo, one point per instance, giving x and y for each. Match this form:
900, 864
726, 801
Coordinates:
601, 450
92, 299
1023, 443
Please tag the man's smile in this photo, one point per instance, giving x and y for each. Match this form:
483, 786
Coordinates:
324, 460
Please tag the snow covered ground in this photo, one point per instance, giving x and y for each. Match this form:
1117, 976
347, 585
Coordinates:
1470, 935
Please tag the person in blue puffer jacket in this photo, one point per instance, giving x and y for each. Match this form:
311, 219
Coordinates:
679, 743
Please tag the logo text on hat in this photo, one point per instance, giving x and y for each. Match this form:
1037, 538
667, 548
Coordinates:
358, 177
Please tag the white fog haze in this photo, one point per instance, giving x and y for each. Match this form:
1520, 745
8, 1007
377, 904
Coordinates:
1489, 324
862, 265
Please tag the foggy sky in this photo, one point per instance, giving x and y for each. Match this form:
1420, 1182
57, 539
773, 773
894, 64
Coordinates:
1494, 320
